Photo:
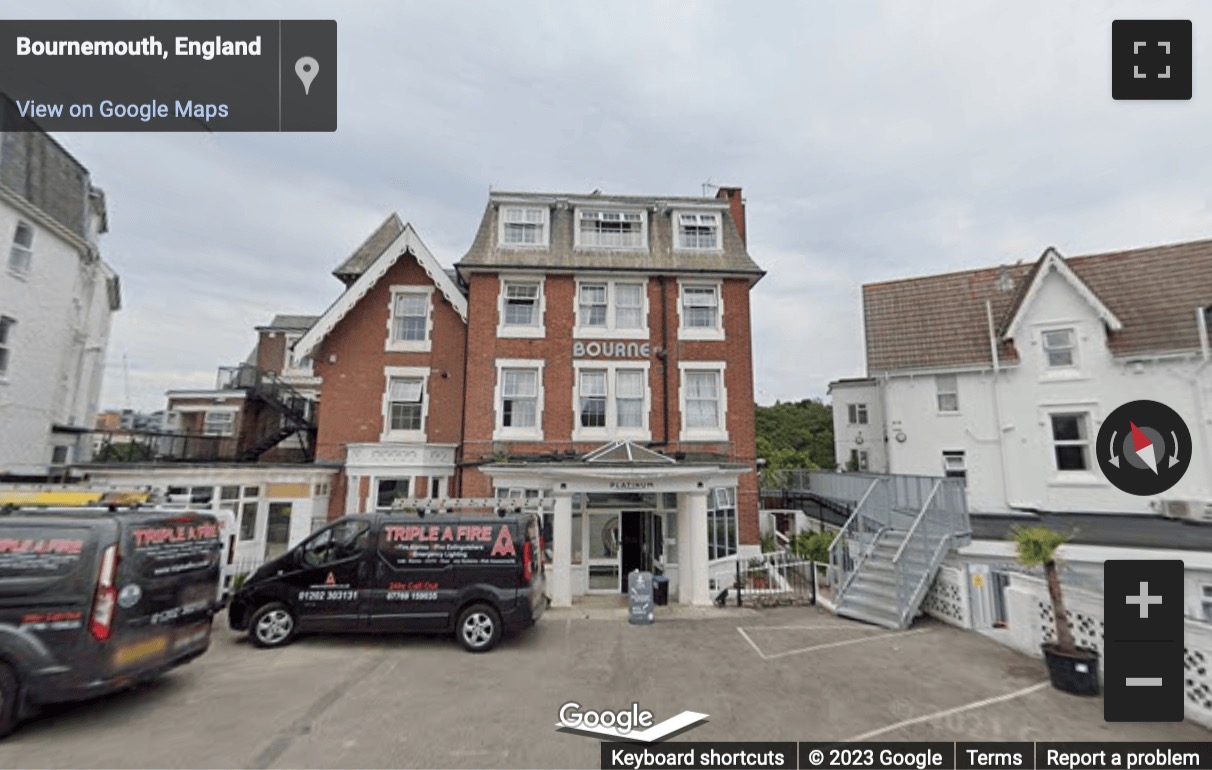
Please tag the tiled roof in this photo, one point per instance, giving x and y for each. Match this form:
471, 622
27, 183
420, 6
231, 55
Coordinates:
562, 253
365, 255
292, 322
940, 321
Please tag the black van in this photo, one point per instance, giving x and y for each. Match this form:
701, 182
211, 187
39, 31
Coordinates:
96, 601
395, 573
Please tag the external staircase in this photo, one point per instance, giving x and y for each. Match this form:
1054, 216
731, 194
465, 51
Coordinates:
884, 559
289, 411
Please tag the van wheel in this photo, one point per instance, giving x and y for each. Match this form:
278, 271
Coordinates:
10, 692
272, 625
479, 628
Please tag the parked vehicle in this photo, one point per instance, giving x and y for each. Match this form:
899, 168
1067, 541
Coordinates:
93, 601
391, 573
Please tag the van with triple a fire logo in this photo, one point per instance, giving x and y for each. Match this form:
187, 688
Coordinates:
97, 601
477, 578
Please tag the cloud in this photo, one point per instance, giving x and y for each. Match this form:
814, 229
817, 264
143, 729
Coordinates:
874, 141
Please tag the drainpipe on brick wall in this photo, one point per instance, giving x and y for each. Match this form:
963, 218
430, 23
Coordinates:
664, 362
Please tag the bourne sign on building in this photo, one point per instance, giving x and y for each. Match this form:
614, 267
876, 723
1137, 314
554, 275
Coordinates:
610, 349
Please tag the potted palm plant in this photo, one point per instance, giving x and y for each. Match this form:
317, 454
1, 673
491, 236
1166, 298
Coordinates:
1071, 669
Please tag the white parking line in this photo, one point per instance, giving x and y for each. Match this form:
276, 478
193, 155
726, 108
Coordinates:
827, 645
950, 711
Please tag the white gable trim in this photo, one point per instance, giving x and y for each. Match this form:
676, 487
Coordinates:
406, 242
1052, 261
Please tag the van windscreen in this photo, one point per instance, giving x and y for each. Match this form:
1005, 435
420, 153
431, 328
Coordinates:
29, 552
174, 545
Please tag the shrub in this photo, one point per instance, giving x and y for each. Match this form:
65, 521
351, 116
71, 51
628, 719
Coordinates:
768, 544
813, 545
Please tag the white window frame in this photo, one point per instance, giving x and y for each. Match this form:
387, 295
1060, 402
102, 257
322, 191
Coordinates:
1087, 423
676, 223
719, 433
1205, 601
939, 392
1047, 351
612, 429
373, 493
701, 333
230, 421
24, 264
581, 214
536, 331
855, 411
404, 372
949, 466
513, 433
545, 226
610, 330
439, 486
7, 325
417, 346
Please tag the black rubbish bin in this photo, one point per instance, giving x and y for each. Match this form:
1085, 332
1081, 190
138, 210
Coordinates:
660, 590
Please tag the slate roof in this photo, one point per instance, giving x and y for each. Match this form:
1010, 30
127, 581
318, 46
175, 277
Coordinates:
365, 255
732, 259
299, 323
939, 321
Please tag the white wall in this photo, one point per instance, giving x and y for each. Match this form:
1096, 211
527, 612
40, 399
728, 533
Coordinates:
1028, 394
867, 438
57, 348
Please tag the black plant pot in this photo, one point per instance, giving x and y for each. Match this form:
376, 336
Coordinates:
1074, 672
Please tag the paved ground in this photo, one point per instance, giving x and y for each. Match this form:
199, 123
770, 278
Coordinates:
786, 674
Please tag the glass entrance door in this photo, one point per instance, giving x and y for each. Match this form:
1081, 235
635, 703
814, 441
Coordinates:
604, 539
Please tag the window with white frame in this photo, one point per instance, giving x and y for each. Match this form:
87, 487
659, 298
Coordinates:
1071, 441
219, 423
1060, 346
437, 486
6, 343
947, 392
612, 229
521, 308
409, 319
721, 523
611, 400
858, 460
21, 254
856, 414
955, 465
387, 491
405, 404
523, 226
702, 310
703, 402
519, 399
697, 231
610, 306
1206, 603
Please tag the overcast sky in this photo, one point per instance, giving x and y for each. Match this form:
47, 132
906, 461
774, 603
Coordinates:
873, 141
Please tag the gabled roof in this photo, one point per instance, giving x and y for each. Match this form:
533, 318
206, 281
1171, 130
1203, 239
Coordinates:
407, 242
627, 452
562, 253
1146, 297
370, 249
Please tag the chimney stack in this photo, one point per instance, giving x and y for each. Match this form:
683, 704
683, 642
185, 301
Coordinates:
737, 204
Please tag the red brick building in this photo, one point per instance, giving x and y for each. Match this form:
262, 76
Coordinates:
595, 350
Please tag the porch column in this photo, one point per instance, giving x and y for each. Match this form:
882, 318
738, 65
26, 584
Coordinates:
685, 550
696, 513
352, 485
561, 566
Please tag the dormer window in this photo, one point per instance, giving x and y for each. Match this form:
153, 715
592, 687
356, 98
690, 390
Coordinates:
605, 229
1059, 348
697, 231
523, 226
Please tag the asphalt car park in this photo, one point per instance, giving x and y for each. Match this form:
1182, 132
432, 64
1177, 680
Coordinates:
369, 702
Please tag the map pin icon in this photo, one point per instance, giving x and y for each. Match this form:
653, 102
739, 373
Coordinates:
307, 68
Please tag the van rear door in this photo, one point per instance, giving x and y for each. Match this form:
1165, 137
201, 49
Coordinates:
168, 576
46, 577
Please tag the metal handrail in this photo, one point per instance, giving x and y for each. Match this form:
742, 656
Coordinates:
916, 521
907, 607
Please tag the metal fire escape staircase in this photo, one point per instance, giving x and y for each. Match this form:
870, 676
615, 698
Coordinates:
294, 409
884, 559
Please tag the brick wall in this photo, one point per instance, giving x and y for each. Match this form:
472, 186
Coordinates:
271, 351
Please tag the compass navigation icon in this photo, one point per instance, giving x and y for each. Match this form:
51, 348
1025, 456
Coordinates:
1144, 447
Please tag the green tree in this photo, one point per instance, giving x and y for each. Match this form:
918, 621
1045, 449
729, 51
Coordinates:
795, 435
